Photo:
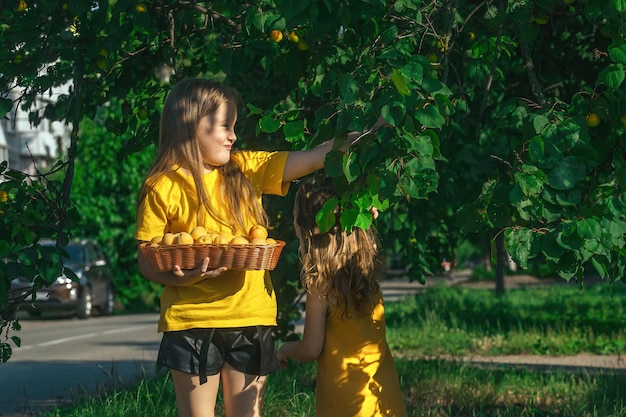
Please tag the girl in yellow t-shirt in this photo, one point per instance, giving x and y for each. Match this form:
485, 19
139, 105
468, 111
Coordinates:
344, 328
216, 323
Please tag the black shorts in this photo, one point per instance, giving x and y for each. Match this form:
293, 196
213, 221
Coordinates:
204, 351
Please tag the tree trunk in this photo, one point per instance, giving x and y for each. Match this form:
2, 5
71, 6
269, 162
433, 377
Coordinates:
501, 263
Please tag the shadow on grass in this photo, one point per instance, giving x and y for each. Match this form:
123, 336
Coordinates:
451, 388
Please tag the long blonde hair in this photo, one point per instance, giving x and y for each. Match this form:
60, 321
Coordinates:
189, 101
343, 266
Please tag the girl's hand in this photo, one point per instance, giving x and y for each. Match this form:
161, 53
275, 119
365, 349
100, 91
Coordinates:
200, 273
282, 359
354, 137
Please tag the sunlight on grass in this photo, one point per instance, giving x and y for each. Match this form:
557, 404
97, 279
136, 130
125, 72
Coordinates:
450, 322
551, 321
431, 388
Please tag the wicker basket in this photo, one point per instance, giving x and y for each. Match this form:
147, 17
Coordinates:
251, 256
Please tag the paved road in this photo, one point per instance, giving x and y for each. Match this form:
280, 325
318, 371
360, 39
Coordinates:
62, 359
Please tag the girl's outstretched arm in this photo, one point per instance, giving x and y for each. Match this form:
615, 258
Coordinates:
302, 163
310, 346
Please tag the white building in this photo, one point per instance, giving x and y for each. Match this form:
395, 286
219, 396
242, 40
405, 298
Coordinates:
29, 148
4, 147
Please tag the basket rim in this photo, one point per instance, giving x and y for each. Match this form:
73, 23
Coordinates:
161, 257
151, 246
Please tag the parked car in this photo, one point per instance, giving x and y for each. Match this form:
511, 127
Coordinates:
94, 290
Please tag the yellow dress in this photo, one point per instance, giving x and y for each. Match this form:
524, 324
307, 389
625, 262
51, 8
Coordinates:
356, 374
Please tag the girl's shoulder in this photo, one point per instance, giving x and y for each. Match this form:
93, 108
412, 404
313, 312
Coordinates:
250, 159
168, 181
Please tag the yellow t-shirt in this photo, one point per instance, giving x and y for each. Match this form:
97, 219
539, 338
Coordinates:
236, 298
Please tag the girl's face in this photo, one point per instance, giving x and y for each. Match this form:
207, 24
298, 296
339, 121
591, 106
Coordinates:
216, 135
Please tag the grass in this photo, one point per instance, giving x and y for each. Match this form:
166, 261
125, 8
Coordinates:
450, 323
558, 320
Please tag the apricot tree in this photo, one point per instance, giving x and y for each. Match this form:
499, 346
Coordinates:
503, 118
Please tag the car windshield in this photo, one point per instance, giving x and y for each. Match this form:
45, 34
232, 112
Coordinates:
77, 254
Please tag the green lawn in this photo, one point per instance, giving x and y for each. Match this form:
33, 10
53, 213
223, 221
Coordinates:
452, 322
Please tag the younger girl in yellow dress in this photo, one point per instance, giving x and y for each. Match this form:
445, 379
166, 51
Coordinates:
344, 326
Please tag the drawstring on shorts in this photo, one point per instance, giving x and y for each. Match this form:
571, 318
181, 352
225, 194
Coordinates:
204, 351
259, 335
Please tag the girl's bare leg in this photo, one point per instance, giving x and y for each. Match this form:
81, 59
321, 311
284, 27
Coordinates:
193, 399
243, 393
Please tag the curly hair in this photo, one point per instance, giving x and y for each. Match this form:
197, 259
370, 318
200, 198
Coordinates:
343, 265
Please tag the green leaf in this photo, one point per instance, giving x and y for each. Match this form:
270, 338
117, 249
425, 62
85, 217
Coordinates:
349, 88
263, 21
345, 119
617, 230
531, 180
16, 340
413, 144
618, 54
540, 122
351, 168
381, 205
291, 9
589, 228
620, 5
363, 220
430, 117
613, 76
498, 215
325, 218
518, 242
5, 249
253, 110
550, 248
367, 152
28, 257
294, 131
571, 242
69, 273
333, 164
5, 352
468, 219
600, 268
567, 267
566, 198
536, 149
387, 114
400, 82
6, 104
50, 272
414, 71
348, 218
388, 184
566, 174
51, 254
434, 86
268, 124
